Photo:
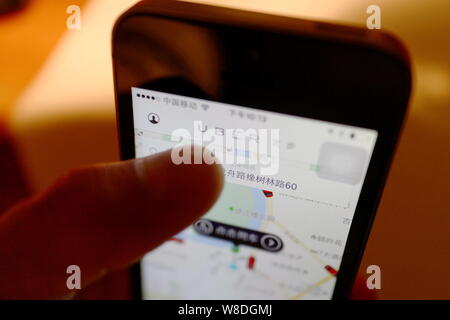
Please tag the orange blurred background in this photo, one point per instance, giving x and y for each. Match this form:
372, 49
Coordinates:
57, 103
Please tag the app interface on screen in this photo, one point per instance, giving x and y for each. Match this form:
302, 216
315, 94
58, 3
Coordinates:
279, 228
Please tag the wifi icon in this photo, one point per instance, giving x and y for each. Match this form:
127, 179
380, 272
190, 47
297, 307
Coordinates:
205, 106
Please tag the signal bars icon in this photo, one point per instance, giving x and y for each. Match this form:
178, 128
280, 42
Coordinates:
143, 96
204, 106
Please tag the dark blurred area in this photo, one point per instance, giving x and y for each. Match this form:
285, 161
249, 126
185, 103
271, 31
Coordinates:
7, 6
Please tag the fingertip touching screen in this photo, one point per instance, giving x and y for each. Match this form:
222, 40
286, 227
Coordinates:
280, 226
304, 127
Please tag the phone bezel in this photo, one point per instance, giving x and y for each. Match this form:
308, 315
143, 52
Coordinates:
388, 124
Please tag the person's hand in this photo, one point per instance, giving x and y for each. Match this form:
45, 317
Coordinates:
101, 218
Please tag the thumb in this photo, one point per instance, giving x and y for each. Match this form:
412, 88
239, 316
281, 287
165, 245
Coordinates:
100, 218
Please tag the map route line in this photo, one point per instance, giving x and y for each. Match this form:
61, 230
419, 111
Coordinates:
316, 201
269, 213
300, 243
266, 277
315, 285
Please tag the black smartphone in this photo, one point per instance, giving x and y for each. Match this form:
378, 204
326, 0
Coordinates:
326, 101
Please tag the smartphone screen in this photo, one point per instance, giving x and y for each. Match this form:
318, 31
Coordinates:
280, 226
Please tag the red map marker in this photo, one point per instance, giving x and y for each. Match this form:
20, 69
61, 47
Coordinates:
251, 262
268, 194
331, 270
